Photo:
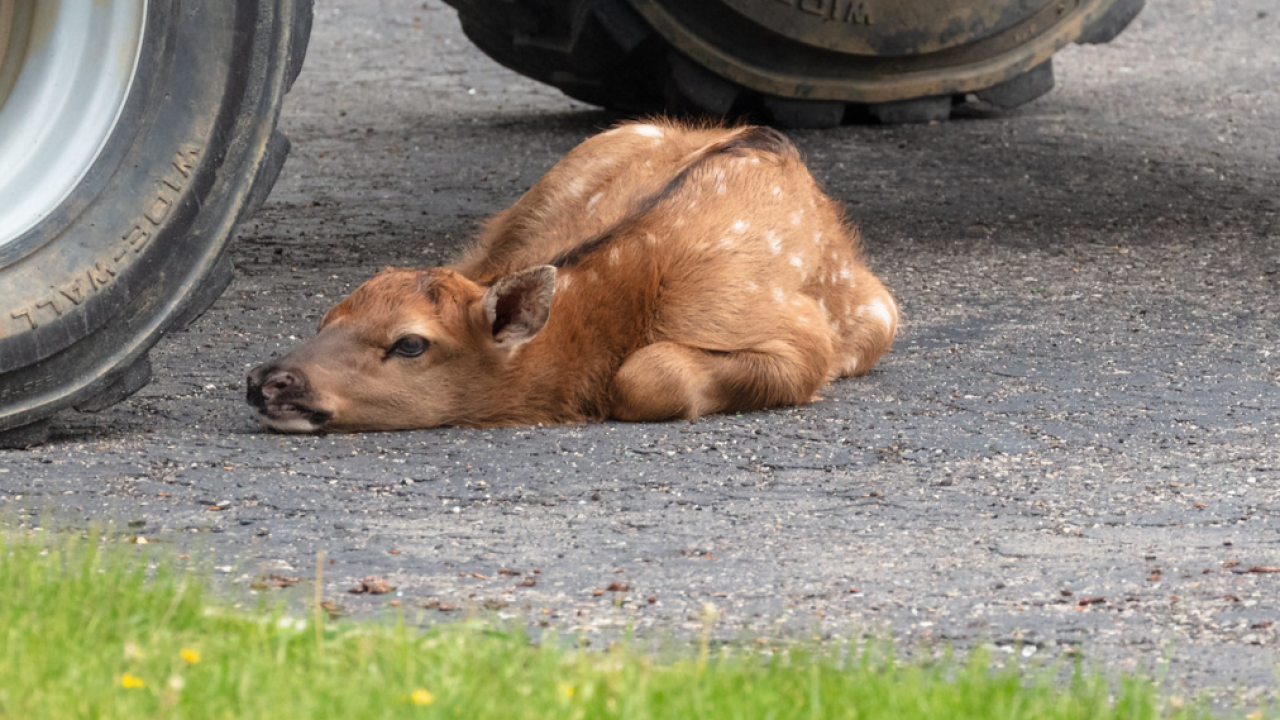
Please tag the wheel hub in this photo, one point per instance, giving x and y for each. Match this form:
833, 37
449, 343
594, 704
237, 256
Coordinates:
66, 67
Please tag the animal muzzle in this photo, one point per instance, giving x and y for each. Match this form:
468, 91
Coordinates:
283, 399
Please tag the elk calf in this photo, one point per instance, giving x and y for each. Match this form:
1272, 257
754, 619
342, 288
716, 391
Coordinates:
658, 271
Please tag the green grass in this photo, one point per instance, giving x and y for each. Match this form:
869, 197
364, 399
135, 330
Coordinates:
89, 631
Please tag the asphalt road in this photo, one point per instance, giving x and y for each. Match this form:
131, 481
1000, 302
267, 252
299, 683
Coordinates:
1083, 403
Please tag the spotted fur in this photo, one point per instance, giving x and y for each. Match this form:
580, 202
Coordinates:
658, 271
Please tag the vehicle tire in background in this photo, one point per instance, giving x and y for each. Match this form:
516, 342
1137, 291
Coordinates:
134, 134
794, 63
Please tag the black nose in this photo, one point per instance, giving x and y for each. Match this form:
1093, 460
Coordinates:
265, 383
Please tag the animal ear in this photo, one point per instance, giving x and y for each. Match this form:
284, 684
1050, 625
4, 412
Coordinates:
517, 306
336, 312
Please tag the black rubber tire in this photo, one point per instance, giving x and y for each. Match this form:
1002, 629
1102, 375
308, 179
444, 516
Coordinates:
139, 248
606, 52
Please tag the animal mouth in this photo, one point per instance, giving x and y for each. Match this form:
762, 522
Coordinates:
292, 417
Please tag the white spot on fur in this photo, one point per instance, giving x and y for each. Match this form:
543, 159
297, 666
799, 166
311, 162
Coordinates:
593, 276
614, 256
739, 226
845, 274
755, 160
727, 242
575, 187
795, 216
651, 238
591, 204
850, 366
878, 310
778, 294
563, 280
775, 242
692, 204
797, 261
752, 287
822, 305
777, 191
817, 240
647, 130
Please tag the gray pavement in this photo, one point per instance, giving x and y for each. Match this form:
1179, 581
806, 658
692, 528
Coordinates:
1083, 404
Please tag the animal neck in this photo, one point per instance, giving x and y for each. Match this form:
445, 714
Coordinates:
565, 373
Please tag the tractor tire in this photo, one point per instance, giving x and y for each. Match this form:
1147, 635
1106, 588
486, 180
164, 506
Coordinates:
792, 63
114, 229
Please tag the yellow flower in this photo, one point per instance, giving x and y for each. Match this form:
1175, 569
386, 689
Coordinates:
132, 682
191, 656
421, 697
566, 690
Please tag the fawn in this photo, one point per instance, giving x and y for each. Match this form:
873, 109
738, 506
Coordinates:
658, 271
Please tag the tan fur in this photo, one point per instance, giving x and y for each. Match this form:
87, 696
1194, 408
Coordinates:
717, 277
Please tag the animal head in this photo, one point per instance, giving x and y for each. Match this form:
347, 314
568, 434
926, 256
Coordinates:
407, 349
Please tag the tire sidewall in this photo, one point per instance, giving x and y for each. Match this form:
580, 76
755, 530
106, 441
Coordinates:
92, 287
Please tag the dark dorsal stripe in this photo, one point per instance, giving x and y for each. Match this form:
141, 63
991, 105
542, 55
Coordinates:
760, 139
764, 139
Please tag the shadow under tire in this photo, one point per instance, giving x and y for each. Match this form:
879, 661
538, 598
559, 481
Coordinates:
138, 247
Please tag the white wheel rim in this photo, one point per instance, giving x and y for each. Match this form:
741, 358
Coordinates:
71, 64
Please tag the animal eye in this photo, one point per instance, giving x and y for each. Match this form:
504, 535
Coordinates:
409, 346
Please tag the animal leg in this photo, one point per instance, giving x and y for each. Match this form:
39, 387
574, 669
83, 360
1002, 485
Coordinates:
870, 330
669, 380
